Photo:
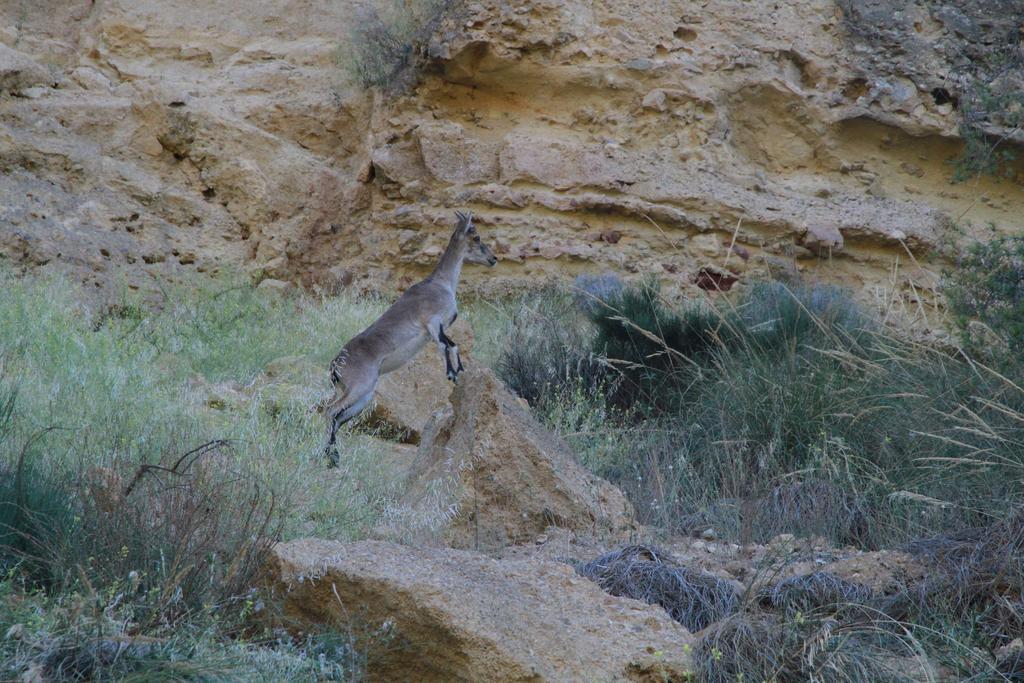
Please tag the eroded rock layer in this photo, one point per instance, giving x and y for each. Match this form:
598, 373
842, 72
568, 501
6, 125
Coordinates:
666, 137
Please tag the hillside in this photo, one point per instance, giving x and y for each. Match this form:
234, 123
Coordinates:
743, 395
158, 137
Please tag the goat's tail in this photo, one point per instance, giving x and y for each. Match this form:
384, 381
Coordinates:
336, 367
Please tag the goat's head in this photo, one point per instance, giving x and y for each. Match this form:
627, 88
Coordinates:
476, 250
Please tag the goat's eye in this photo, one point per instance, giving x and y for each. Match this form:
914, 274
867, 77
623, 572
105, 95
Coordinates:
477, 238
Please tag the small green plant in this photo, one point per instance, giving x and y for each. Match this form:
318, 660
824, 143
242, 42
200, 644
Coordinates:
991, 106
986, 288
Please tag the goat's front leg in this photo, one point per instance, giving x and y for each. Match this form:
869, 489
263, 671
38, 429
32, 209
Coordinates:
437, 334
453, 347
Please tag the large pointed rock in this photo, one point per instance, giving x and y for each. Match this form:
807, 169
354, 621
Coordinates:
407, 398
462, 616
504, 477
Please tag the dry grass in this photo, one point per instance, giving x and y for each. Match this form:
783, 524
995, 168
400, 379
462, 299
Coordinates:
693, 598
816, 590
978, 574
149, 463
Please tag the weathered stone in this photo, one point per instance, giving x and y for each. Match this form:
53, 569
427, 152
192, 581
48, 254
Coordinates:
461, 616
507, 478
186, 139
278, 287
452, 157
407, 398
19, 73
655, 100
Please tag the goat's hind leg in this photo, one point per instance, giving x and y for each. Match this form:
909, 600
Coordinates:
338, 411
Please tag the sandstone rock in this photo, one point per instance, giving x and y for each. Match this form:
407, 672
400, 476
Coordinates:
885, 571
823, 240
18, 73
188, 139
558, 163
407, 397
655, 100
507, 478
91, 79
461, 616
278, 287
452, 157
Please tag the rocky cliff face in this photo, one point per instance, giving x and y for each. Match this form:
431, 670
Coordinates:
668, 137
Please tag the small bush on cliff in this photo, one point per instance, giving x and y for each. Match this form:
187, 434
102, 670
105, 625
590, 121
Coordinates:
991, 105
387, 43
986, 287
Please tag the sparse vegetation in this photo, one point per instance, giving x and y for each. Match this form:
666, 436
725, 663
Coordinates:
991, 105
147, 465
389, 40
789, 410
986, 295
149, 459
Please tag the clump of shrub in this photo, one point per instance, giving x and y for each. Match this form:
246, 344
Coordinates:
388, 41
991, 105
784, 409
547, 350
811, 646
977, 575
817, 590
661, 350
987, 287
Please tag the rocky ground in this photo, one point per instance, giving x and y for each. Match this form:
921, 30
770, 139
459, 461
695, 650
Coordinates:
677, 138
494, 592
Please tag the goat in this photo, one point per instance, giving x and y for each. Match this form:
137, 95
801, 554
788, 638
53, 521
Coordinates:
421, 314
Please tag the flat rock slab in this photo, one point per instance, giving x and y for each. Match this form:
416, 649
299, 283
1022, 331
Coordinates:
463, 616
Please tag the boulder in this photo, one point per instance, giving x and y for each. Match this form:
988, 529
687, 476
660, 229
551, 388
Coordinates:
278, 287
407, 397
461, 616
504, 476
18, 72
